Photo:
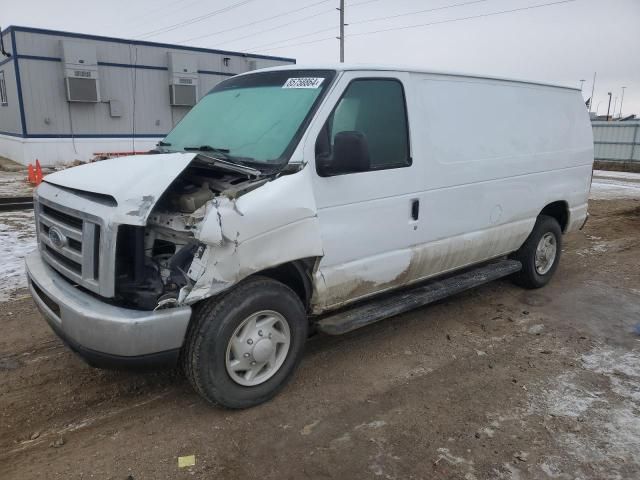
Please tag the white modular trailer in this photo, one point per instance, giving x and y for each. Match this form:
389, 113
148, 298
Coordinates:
66, 96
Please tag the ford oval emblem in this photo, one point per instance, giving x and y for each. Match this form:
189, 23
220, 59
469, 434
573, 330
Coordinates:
57, 238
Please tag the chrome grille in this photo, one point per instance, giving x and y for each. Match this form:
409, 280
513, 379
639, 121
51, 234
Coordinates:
70, 243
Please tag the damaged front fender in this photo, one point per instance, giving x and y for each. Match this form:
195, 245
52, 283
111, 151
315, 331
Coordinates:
266, 227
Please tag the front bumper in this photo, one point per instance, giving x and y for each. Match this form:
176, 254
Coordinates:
105, 335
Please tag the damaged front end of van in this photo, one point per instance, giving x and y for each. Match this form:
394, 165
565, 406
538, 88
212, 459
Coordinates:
128, 246
117, 271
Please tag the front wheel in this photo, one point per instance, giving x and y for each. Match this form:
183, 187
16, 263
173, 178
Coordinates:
243, 347
540, 254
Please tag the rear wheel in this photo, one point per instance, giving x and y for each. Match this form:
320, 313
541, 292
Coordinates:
243, 347
540, 254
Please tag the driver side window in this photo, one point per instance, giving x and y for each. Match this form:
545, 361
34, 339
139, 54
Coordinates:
367, 130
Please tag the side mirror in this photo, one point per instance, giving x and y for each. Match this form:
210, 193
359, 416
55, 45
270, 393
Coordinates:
350, 155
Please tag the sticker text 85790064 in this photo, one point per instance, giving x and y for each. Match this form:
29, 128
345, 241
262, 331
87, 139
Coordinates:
304, 82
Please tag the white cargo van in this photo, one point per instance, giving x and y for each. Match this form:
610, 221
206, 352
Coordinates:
292, 200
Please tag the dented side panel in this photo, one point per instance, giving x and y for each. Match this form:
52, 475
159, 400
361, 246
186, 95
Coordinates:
269, 226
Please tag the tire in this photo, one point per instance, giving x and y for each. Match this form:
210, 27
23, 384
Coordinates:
532, 276
209, 353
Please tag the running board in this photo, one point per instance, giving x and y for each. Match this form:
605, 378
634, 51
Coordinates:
416, 297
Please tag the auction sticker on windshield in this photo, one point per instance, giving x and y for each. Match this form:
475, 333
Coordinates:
305, 82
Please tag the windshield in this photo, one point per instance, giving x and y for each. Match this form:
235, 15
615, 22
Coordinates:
256, 118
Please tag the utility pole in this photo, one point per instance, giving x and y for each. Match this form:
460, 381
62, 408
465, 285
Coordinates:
609, 107
622, 100
593, 88
341, 37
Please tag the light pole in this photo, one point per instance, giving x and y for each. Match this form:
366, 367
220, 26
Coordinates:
593, 89
581, 84
609, 107
621, 100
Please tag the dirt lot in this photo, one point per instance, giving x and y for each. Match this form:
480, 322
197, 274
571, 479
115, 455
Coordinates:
495, 383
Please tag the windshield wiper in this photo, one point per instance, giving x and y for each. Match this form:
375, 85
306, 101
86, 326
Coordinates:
164, 144
232, 166
208, 148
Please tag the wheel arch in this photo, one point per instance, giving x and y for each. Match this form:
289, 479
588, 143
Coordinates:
297, 275
558, 210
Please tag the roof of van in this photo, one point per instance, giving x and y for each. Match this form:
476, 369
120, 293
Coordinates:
393, 68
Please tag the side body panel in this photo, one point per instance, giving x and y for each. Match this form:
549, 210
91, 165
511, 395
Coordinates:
365, 217
488, 155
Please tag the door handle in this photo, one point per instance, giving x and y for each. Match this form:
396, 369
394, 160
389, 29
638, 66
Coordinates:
415, 209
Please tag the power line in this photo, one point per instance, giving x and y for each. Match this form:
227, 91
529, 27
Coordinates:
193, 20
364, 21
277, 27
405, 27
292, 38
254, 23
351, 5
324, 39
445, 7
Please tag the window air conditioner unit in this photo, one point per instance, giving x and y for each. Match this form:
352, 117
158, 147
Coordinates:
183, 79
183, 93
80, 72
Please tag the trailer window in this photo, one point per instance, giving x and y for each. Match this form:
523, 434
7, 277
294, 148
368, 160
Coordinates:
3, 89
376, 109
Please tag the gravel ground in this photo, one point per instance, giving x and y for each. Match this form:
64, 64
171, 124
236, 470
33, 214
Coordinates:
496, 383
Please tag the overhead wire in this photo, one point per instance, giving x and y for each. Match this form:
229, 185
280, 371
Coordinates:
306, 34
253, 34
377, 18
353, 23
250, 24
420, 25
501, 12
193, 20
417, 12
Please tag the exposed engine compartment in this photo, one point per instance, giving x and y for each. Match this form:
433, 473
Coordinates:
153, 262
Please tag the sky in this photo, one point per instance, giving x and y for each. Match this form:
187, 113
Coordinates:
564, 42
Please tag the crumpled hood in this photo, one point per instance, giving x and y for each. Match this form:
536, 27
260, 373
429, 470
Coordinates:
135, 182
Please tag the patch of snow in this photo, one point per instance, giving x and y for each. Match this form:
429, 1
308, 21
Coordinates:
601, 247
536, 329
307, 429
13, 184
444, 454
565, 398
551, 470
17, 239
489, 432
374, 424
612, 174
623, 370
612, 443
609, 362
508, 472
603, 189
